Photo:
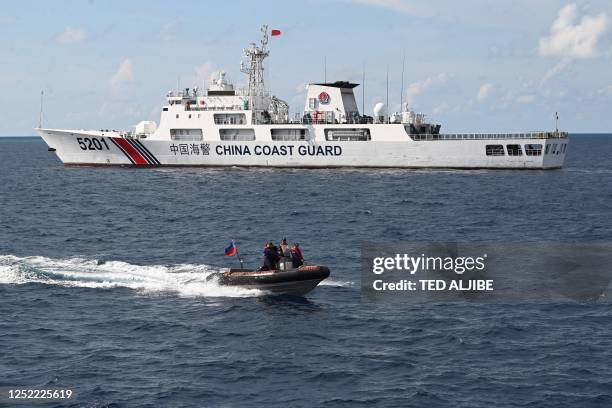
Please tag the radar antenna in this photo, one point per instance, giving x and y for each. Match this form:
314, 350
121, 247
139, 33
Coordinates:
252, 65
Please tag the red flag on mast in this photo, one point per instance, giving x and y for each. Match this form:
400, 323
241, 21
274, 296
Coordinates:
276, 32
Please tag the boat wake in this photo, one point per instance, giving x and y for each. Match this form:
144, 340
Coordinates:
335, 283
185, 280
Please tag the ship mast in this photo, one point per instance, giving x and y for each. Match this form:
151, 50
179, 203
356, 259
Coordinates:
252, 65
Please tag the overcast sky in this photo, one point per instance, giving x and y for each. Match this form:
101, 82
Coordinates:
475, 65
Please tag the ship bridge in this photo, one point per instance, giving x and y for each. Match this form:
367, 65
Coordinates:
332, 102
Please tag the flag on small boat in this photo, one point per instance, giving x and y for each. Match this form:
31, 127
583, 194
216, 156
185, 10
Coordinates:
276, 32
231, 249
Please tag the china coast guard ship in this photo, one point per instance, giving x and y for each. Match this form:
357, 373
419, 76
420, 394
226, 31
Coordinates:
225, 126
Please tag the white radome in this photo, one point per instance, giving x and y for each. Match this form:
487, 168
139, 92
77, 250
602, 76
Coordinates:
380, 109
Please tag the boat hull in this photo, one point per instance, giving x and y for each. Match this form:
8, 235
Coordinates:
109, 148
292, 282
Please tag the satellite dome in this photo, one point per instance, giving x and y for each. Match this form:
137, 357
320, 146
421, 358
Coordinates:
380, 109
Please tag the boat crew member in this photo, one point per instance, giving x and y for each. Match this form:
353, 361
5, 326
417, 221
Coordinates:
297, 259
284, 248
271, 257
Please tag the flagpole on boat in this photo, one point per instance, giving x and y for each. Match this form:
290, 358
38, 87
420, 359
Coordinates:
238, 254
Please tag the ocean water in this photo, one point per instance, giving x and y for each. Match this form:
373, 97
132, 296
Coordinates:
146, 329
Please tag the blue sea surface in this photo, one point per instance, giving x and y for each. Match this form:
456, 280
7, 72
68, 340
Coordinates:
145, 329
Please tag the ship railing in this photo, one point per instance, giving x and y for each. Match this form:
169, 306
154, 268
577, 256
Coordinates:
489, 136
360, 120
245, 92
184, 94
217, 108
133, 135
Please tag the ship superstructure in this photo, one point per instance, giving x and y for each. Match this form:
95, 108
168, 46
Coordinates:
227, 126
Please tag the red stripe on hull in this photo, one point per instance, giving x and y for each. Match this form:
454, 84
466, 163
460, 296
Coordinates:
134, 154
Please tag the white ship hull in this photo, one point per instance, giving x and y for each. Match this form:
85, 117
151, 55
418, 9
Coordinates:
225, 126
384, 150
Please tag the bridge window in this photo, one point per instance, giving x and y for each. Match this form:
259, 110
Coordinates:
286, 135
514, 150
348, 135
237, 134
533, 149
547, 148
230, 118
186, 134
495, 150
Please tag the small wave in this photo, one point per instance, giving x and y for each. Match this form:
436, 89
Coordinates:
590, 170
339, 284
186, 280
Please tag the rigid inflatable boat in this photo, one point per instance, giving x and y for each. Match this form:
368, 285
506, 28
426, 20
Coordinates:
292, 281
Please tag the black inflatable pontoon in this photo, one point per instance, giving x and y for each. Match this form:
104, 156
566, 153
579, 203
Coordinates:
291, 281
